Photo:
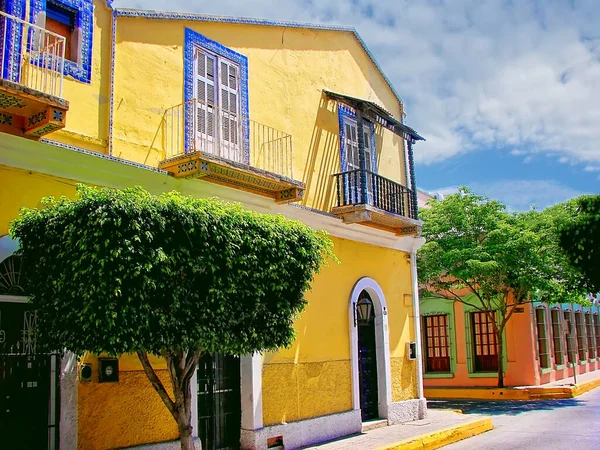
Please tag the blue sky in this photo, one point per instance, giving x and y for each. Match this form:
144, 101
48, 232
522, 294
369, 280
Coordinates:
507, 92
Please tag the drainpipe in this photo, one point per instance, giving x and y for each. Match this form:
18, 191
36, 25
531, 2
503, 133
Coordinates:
417, 243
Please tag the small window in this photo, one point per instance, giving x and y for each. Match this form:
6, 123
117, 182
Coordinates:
557, 335
581, 339
542, 337
61, 20
437, 343
591, 341
571, 335
485, 351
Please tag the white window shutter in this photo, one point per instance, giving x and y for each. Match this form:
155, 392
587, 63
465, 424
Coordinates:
205, 95
231, 122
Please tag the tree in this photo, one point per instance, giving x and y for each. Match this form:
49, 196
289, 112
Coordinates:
480, 255
580, 239
128, 272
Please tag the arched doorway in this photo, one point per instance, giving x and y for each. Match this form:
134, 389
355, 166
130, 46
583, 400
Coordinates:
367, 357
369, 350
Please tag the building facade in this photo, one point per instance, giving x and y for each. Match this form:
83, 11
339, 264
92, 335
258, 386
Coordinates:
285, 118
542, 342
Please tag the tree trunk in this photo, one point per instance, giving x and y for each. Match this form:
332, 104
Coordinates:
181, 369
185, 430
183, 397
500, 354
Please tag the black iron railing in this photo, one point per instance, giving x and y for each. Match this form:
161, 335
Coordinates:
359, 187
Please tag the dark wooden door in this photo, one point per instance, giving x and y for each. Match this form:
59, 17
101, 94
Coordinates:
219, 402
367, 370
29, 384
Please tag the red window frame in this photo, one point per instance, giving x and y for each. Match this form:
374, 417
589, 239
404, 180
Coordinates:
485, 351
437, 343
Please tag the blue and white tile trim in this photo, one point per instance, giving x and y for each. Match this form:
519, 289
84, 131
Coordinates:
113, 54
13, 33
101, 156
84, 19
192, 41
343, 112
287, 24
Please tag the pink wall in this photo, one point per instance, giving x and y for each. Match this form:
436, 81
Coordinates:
522, 362
521, 368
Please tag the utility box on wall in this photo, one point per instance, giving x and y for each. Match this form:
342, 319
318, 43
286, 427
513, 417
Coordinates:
85, 373
108, 370
411, 350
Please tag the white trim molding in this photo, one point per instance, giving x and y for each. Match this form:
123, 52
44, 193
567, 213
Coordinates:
384, 382
305, 432
84, 166
251, 392
69, 385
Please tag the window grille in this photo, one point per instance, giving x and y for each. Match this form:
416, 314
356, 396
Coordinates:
437, 343
542, 337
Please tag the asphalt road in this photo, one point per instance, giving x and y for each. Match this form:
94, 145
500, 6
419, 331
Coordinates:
572, 424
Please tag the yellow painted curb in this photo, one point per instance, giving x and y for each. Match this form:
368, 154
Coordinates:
437, 439
532, 393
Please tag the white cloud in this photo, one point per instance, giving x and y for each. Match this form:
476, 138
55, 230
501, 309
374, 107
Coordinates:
520, 75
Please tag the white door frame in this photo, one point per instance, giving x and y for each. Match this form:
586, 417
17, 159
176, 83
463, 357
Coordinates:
382, 344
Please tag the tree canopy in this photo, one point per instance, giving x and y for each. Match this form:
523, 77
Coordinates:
124, 271
479, 254
580, 239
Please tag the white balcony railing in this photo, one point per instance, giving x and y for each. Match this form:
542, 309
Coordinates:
210, 129
31, 56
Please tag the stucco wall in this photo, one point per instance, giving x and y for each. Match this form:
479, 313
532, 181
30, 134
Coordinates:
287, 71
87, 119
323, 337
123, 414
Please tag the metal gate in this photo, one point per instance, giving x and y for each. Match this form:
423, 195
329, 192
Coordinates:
29, 384
219, 402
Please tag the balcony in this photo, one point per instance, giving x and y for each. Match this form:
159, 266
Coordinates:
31, 78
370, 199
200, 140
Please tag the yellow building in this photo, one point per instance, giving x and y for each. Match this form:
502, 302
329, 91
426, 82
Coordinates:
283, 117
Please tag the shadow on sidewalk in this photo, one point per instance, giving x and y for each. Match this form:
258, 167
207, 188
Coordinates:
503, 407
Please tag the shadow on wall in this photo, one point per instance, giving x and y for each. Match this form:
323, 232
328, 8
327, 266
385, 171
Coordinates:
503, 407
323, 158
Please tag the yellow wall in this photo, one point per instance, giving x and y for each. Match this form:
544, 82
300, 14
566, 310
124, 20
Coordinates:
123, 414
87, 119
288, 68
320, 356
287, 71
16, 191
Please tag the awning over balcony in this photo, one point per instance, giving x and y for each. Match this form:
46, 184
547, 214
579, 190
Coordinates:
376, 113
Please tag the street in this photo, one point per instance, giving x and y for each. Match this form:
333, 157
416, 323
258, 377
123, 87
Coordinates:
557, 424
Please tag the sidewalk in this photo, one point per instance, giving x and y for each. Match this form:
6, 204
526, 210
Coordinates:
438, 429
551, 391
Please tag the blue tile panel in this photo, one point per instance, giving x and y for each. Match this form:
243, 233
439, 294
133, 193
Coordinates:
84, 19
345, 112
13, 36
192, 41
113, 53
287, 24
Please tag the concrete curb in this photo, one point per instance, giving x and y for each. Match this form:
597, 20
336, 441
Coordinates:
440, 438
528, 393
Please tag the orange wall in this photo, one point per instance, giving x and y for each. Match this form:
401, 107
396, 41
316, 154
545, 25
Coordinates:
521, 367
